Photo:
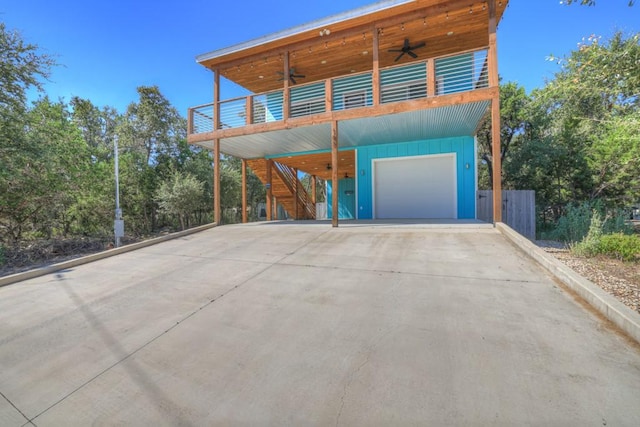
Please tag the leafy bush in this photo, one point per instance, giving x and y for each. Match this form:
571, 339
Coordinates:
575, 225
621, 246
589, 245
2, 255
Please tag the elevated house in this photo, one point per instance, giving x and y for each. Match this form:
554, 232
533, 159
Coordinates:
382, 102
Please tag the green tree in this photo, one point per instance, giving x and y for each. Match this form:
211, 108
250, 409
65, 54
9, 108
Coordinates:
152, 125
42, 176
98, 126
513, 100
21, 67
583, 136
180, 196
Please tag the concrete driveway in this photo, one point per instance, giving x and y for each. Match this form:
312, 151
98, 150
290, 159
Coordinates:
289, 324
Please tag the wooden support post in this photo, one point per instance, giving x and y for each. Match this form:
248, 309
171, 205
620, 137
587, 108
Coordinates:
328, 95
295, 194
431, 78
496, 156
276, 216
217, 209
269, 190
496, 147
334, 173
249, 110
286, 99
216, 100
376, 68
244, 190
313, 189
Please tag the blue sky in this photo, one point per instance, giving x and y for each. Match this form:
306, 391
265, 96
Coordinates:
107, 49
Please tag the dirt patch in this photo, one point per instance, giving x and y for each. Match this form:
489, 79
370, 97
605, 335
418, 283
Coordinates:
618, 278
42, 253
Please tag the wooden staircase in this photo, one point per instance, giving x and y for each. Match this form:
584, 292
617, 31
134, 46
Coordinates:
284, 183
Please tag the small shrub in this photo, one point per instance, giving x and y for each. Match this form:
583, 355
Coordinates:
574, 225
3, 258
588, 246
621, 246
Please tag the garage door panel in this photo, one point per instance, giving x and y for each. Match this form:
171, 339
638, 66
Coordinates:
417, 187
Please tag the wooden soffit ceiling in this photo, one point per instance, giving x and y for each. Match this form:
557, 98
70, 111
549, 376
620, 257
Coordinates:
445, 26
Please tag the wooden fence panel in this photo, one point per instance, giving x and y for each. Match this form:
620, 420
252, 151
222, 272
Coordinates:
518, 210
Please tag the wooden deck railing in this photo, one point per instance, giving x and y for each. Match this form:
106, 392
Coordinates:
432, 77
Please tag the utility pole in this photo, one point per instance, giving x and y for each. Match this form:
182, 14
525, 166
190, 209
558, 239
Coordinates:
118, 223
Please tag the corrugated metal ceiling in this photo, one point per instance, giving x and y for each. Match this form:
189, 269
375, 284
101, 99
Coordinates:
450, 121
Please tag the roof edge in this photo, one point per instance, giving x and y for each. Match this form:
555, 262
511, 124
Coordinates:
323, 22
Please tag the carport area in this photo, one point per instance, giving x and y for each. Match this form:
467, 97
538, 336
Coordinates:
303, 324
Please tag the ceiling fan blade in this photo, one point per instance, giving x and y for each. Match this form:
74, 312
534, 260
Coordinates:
298, 76
413, 55
293, 80
395, 50
418, 46
399, 56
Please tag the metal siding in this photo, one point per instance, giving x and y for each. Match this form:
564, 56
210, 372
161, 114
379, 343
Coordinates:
462, 146
346, 203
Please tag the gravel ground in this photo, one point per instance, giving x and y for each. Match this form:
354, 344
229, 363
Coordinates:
620, 279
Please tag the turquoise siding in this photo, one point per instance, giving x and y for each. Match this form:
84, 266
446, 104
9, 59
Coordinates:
346, 199
464, 147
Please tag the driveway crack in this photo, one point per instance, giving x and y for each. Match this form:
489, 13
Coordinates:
355, 372
16, 408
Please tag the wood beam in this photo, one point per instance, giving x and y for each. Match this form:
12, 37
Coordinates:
244, 190
249, 110
493, 46
334, 173
286, 102
275, 211
313, 189
328, 95
190, 121
431, 78
496, 147
269, 189
295, 193
496, 160
376, 67
217, 209
216, 99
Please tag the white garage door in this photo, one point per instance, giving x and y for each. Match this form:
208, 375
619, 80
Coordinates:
415, 187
